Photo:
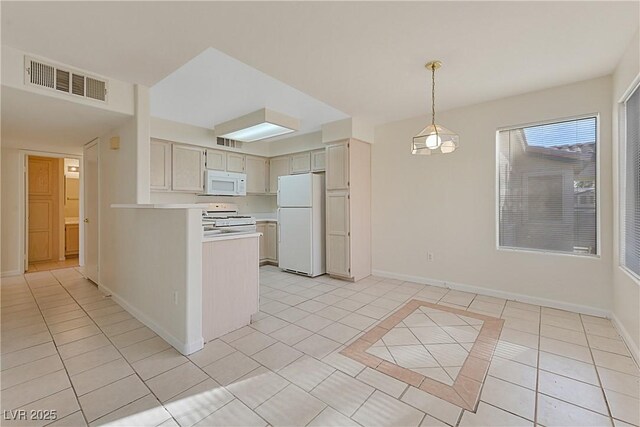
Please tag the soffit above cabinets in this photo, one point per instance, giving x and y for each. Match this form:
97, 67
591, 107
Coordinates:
215, 88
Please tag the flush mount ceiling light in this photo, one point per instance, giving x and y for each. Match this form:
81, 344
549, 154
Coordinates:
261, 124
434, 139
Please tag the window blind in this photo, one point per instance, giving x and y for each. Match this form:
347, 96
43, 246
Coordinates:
547, 187
631, 223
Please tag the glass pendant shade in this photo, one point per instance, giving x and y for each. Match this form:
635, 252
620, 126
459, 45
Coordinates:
434, 139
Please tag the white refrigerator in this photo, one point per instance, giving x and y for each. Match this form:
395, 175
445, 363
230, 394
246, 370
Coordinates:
301, 235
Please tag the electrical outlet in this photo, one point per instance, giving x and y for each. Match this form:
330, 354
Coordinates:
429, 256
175, 298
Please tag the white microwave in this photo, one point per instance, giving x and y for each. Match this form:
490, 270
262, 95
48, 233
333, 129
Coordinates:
219, 183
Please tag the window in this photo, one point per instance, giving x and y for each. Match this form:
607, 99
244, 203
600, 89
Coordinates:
547, 187
631, 185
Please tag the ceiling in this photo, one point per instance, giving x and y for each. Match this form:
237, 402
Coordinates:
362, 58
42, 122
213, 88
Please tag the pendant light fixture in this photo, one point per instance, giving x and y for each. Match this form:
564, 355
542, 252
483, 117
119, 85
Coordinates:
434, 139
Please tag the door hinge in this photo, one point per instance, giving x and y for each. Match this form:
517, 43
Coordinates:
349, 233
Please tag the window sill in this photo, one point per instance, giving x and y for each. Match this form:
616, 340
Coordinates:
543, 252
633, 276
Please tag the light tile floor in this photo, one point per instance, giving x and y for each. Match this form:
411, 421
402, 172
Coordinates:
71, 261
66, 347
432, 347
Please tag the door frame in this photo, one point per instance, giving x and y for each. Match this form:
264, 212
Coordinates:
23, 203
96, 142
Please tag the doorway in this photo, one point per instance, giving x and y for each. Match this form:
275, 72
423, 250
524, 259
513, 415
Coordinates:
53, 211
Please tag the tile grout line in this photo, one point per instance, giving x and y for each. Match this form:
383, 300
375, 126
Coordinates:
64, 367
535, 401
604, 395
121, 355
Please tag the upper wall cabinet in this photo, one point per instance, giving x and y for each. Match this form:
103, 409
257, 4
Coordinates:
338, 166
278, 166
317, 160
257, 170
160, 165
235, 162
187, 168
216, 160
301, 163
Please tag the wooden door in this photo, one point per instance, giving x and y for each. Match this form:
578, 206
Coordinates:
338, 233
337, 163
44, 212
256, 170
278, 166
301, 163
90, 164
187, 169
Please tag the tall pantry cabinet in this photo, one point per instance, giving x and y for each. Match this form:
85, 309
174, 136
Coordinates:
348, 209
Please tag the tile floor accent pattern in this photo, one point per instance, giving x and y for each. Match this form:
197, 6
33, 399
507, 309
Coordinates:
65, 346
425, 345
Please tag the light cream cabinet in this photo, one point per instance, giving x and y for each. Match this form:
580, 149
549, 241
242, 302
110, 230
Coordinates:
338, 256
301, 163
216, 160
160, 165
261, 227
317, 160
268, 241
278, 166
187, 168
257, 170
71, 239
348, 209
337, 166
272, 242
235, 162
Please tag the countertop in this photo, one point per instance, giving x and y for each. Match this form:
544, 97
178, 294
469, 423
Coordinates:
158, 206
230, 236
71, 221
264, 216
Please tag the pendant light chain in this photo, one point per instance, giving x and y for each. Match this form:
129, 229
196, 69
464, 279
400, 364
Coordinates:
433, 100
433, 95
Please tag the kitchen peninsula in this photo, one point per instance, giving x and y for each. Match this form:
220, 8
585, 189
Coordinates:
189, 288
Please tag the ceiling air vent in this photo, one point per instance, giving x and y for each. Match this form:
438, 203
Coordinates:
77, 84
226, 142
96, 89
65, 80
42, 74
62, 80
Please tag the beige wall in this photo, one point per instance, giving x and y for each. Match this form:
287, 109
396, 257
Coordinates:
447, 204
11, 230
626, 290
11, 224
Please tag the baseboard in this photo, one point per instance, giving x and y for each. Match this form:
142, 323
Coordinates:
184, 348
10, 273
631, 345
561, 305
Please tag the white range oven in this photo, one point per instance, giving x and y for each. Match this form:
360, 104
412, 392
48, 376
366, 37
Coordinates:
219, 183
223, 218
